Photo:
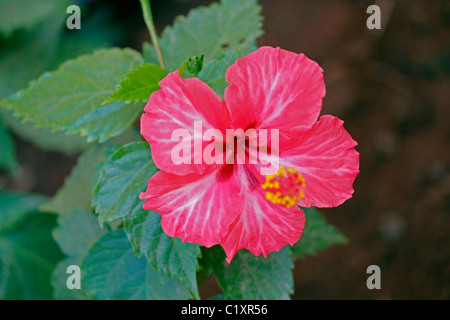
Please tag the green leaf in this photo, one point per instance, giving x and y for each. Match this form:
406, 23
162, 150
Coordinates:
76, 193
77, 231
69, 99
170, 255
28, 253
123, 177
230, 25
25, 13
8, 158
212, 260
28, 54
44, 138
16, 206
112, 271
317, 235
214, 72
139, 84
36, 51
252, 277
59, 283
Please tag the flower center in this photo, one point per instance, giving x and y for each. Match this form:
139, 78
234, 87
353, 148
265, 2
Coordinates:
284, 187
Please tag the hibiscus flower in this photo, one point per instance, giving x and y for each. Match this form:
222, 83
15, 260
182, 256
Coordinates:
234, 205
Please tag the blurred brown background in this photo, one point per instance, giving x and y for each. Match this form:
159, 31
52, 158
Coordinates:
392, 89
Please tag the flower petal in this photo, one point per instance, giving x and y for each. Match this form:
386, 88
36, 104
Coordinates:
196, 208
179, 104
274, 88
262, 227
326, 157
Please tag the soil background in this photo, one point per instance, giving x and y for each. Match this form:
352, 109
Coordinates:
392, 89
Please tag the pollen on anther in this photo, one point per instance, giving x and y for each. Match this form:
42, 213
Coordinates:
284, 187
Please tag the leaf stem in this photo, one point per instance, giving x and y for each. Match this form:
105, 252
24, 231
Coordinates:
148, 18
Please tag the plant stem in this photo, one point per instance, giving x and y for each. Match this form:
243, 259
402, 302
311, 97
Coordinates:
148, 18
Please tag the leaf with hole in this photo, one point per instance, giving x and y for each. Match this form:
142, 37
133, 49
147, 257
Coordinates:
212, 31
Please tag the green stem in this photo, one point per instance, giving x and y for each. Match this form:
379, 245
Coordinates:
148, 18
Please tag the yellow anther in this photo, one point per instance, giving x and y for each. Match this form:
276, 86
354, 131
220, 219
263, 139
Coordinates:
284, 187
268, 184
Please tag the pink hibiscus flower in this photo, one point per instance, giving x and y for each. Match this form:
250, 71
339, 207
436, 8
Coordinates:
234, 205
